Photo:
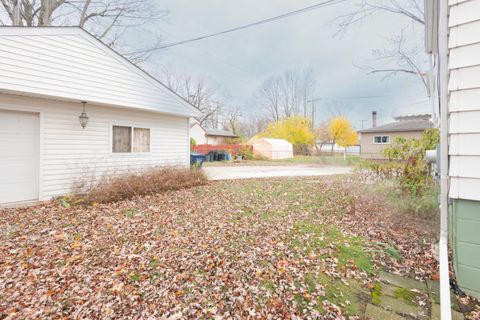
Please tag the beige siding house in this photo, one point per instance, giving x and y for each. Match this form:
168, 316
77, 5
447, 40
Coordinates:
374, 140
48, 77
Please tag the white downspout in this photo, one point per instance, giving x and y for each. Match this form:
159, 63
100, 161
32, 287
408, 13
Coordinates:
445, 307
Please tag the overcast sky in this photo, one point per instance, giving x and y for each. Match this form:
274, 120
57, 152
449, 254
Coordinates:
240, 61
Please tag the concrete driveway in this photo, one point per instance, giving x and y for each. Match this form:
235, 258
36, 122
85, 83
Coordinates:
245, 172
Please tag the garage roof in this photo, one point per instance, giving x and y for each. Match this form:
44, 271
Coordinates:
68, 63
405, 125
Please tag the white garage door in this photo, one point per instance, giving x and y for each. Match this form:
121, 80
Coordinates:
19, 153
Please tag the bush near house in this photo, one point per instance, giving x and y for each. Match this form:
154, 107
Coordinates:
414, 176
113, 188
193, 143
406, 179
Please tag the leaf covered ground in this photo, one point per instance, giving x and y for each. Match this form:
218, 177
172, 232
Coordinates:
253, 249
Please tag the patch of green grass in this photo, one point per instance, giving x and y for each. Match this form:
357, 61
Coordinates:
62, 263
337, 292
130, 213
153, 263
388, 249
268, 284
265, 216
354, 252
349, 250
246, 212
134, 276
377, 293
425, 204
405, 294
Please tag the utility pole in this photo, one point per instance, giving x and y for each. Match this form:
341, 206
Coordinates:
313, 114
313, 109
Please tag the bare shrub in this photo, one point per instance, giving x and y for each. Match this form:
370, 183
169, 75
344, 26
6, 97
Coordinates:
111, 188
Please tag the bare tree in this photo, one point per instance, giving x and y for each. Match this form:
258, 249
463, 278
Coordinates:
269, 94
250, 126
404, 58
322, 135
399, 57
231, 120
308, 86
412, 9
200, 92
287, 94
338, 108
107, 20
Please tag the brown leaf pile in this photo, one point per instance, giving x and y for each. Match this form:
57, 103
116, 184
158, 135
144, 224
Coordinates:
205, 252
126, 186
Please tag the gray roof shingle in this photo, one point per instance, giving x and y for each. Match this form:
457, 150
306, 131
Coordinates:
405, 125
220, 133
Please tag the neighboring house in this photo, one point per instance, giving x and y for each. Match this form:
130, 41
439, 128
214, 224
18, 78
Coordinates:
209, 136
197, 132
273, 148
46, 73
453, 40
377, 138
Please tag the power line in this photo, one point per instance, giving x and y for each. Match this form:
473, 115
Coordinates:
282, 16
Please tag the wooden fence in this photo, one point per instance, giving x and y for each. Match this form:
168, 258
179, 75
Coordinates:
234, 149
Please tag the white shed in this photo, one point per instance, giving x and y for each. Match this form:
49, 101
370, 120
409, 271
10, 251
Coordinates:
47, 77
273, 148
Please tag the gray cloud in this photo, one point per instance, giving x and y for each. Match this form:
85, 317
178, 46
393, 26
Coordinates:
240, 61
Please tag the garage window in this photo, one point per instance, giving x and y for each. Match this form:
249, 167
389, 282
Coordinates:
381, 139
126, 139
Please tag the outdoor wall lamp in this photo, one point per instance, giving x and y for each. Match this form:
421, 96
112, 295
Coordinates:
83, 118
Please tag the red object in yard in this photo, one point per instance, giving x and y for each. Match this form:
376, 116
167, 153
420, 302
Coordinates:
233, 148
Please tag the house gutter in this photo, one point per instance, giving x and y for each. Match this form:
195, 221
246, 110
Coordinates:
445, 307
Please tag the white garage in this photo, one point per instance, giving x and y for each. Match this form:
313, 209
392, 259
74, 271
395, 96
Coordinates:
73, 110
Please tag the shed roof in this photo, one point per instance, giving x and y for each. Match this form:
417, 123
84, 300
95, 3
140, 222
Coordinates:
277, 142
399, 126
68, 63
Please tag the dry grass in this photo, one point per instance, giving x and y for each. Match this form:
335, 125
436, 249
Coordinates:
126, 186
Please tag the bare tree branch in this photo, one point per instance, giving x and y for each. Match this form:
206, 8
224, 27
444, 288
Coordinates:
411, 9
400, 57
200, 92
287, 94
105, 19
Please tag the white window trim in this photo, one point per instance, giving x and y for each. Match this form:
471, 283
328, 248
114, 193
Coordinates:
131, 139
381, 139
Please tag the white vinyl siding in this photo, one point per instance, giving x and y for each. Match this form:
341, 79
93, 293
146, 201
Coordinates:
464, 101
69, 63
70, 154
